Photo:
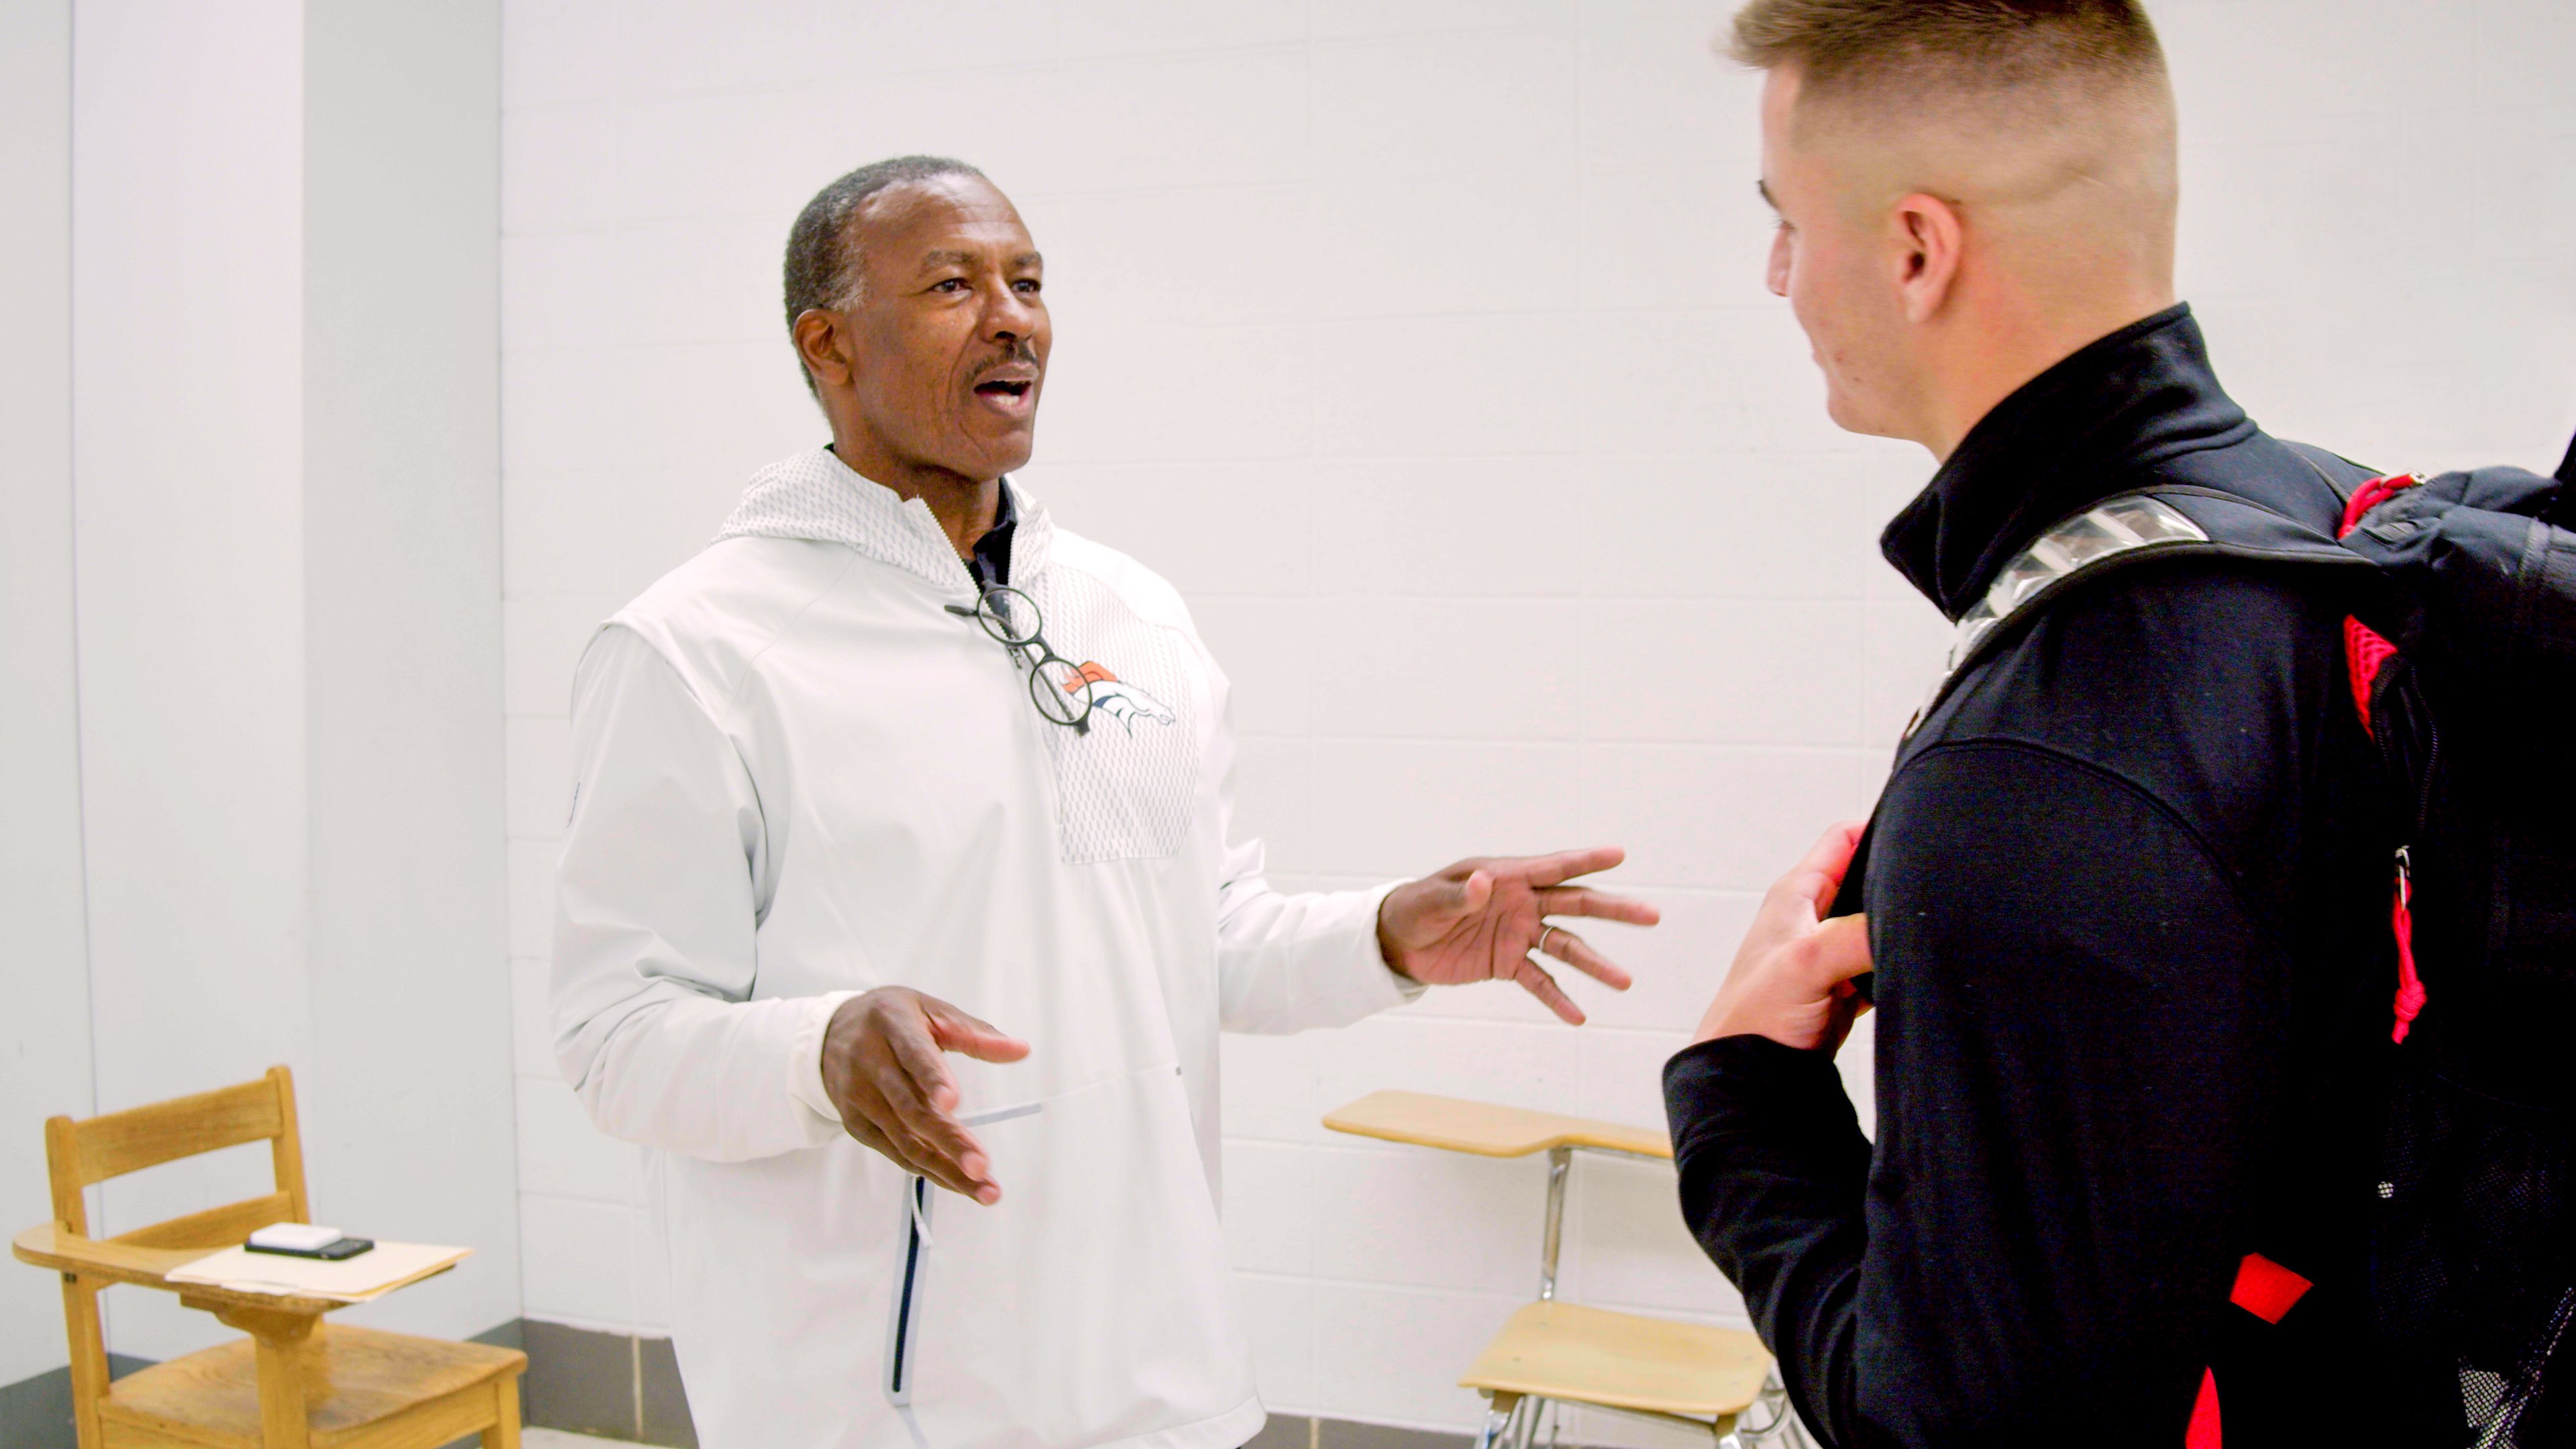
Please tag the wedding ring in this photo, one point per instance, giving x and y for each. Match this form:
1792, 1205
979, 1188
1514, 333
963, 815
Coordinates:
1542, 940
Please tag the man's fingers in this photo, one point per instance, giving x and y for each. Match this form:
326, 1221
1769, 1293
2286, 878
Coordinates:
1817, 876
1599, 905
934, 1145
1565, 865
1839, 950
971, 1036
918, 1091
1446, 898
916, 1053
1543, 986
904, 1149
1576, 952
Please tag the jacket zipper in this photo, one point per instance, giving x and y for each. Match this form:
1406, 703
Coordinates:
903, 1335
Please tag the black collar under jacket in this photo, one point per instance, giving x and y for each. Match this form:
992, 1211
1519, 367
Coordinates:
2087, 429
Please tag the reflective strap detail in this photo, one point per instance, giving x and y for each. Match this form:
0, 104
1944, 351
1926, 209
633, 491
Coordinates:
2122, 525
2203, 1433
2266, 1289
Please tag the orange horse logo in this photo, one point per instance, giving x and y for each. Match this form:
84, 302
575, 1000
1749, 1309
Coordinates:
1116, 698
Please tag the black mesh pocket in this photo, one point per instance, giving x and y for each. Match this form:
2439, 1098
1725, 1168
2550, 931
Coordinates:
2472, 1269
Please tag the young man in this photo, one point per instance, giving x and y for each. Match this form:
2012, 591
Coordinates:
894, 757
2127, 920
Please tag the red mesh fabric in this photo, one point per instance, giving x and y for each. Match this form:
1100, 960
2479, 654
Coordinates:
2364, 651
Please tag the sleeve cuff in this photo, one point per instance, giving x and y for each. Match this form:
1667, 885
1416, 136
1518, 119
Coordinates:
1749, 1084
805, 1055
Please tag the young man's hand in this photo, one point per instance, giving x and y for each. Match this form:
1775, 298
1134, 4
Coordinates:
882, 1069
1792, 978
1480, 919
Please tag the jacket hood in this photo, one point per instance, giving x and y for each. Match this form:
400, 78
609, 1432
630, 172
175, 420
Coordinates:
816, 496
2082, 431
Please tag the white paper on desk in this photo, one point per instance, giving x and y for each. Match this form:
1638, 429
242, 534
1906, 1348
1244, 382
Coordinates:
351, 1280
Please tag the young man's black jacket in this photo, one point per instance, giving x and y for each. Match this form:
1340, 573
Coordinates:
2128, 903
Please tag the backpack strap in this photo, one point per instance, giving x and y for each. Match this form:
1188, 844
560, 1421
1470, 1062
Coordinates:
2130, 528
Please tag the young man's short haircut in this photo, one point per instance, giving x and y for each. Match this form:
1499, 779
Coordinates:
1854, 46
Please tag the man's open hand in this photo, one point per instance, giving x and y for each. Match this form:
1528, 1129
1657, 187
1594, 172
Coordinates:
882, 1069
1480, 919
1792, 978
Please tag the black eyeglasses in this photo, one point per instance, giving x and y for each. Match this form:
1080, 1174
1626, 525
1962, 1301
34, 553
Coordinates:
1065, 700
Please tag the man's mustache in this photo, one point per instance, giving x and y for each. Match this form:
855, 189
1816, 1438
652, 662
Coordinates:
1020, 353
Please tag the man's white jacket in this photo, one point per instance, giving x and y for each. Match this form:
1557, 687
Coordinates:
801, 775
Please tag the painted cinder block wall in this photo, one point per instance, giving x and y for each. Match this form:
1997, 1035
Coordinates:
1424, 346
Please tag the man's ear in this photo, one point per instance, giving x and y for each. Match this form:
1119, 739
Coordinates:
1928, 239
823, 341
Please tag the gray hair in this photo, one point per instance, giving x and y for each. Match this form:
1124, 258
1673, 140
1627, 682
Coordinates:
822, 256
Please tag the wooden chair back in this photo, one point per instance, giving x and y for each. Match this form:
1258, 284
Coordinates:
79, 1155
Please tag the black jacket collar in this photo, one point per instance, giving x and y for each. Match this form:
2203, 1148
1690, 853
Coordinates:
2074, 435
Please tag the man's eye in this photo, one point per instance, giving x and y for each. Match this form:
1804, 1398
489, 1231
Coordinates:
951, 284
1030, 285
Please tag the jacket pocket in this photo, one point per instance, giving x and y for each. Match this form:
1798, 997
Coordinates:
1093, 1302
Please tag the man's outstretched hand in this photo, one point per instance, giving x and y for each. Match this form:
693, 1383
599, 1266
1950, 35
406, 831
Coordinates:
1792, 978
882, 1069
1480, 919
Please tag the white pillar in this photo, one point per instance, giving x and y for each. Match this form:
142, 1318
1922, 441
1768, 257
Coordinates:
411, 1107
44, 1028
284, 266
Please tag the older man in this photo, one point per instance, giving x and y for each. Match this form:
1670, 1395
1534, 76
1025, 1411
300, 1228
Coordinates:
895, 758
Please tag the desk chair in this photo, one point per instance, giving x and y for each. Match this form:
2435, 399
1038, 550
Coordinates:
1708, 1379
295, 1383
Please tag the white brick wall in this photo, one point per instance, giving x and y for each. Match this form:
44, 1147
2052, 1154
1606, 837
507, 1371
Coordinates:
1423, 345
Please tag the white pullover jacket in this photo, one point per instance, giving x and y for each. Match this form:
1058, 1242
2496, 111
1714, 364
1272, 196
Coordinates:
800, 776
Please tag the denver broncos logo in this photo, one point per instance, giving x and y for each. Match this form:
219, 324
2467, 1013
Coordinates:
1116, 698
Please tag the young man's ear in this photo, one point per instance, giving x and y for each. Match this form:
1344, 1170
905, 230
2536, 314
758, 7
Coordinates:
1928, 235
822, 342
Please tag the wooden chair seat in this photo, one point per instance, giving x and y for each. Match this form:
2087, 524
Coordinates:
1585, 1355
357, 1382
1455, 1124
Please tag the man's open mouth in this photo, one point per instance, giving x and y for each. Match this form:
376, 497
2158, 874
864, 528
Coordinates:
998, 387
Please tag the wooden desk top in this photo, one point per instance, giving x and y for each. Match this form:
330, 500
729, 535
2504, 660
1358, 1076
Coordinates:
1455, 1124
48, 1246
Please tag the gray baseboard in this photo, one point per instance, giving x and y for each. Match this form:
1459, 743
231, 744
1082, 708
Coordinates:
1284, 1432
618, 1385
621, 1386
36, 1413
628, 1387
